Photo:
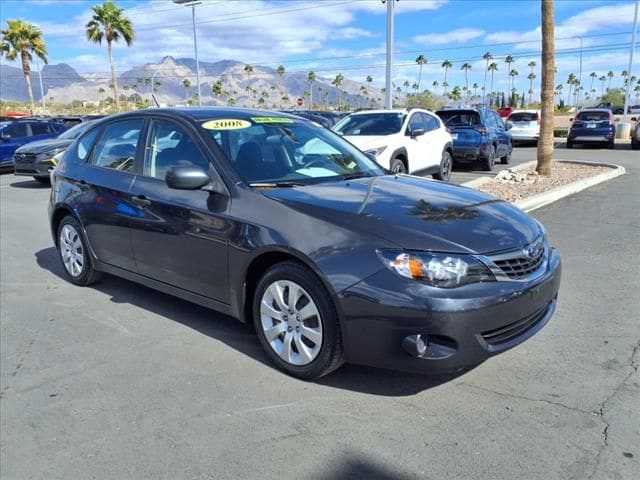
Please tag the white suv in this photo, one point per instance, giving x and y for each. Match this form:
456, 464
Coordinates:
402, 141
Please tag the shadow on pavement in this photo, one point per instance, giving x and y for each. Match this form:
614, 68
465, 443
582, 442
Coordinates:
356, 466
32, 184
241, 336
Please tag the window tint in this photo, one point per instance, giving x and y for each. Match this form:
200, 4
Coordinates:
169, 145
16, 130
523, 117
40, 129
117, 147
416, 121
593, 116
459, 118
431, 122
370, 124
497, 120
80, 151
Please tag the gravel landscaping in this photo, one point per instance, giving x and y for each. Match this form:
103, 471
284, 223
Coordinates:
518, 183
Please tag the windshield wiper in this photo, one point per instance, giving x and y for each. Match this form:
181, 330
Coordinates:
283, 184
353, 176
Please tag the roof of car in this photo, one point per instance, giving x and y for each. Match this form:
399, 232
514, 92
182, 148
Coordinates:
384, 110
208, 113
603, 110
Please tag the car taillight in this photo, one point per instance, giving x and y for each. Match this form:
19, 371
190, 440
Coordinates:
481, 130
537, 119
610, 119
448, 130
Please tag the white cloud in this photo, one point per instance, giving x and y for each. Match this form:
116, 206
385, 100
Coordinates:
459, 35
350, 33
404, 6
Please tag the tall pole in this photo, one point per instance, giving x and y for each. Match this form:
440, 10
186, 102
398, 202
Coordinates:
44, 105
387, 92
633, 43
195, 48
579, 78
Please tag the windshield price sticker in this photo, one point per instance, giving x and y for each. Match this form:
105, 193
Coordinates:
226, 124
271, 120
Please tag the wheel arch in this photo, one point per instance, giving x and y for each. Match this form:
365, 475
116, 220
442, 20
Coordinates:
58, 214
402, 154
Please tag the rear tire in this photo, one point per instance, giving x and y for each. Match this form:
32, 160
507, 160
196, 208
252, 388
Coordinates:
490, 161
281, 322
611, 145
397, 166
74, 254
446, 167
569, 144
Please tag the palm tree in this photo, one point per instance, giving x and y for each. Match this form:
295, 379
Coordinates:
435, 84
492, 68
475, 89
415, 87
110, 22
558, 90
446, 65
24, 39
466, 67
217, 89
531, 65
338, 83
571, 81
509, 60
186, 83
610, 75
545, 142
369, 81
101, 93
311, 78
420, 60
531, 78
593, 76
487, 56
406, 86
126, 96
625, 76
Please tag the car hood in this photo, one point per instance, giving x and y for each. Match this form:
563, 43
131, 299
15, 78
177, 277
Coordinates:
416, 213
367, 142
46, 145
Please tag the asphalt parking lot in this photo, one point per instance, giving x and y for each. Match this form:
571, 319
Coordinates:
119, 381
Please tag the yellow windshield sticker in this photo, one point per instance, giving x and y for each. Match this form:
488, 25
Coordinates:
272, 120
226, 124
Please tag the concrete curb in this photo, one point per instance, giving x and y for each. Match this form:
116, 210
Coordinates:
545, 198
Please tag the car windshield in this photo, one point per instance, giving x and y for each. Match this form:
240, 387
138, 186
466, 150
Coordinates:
523, 117
281, 151
74, 132
457, 118
370, 124
592, 116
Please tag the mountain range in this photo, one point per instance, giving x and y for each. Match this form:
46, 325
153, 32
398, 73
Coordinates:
64, 84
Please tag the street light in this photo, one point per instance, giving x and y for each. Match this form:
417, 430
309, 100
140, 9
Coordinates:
387, 93
192, 4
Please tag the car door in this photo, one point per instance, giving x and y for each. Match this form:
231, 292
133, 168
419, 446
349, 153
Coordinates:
14, 135
435, 139
502, 134
106, 209
417, 145
179, 236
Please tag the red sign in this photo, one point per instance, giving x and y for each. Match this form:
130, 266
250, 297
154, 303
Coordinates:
300, 101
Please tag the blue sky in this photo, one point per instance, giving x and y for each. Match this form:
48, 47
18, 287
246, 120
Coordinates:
347, 36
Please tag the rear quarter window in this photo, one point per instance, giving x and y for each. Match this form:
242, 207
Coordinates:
81, 150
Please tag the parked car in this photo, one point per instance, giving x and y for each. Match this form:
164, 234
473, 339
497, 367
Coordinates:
401, 140
524, 126
505, 112
478, 136
616, 109
592, 126
310, 115
635, 135
634, 109
14, 134
37, 159
278, 222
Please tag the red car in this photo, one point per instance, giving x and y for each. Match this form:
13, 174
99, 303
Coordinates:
504, 112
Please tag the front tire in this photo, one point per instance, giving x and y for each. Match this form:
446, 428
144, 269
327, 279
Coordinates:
397, 166
296, 322
42, 180
74, 253
507, 158
446, 167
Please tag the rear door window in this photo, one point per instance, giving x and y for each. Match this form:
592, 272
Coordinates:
16, 130
431, 122
416, 122
117, 146
40, 128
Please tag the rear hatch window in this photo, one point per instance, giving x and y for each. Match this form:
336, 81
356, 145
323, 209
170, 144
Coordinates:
593, 116
460, 118
523, 117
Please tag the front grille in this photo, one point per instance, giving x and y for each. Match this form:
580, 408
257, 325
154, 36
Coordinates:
24, 157
523, 262
506, 333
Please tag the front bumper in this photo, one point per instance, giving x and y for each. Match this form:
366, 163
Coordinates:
33, 167
467, 325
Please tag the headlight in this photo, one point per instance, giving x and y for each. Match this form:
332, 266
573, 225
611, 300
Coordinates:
49, 154
57, 157
376, 151
436, 269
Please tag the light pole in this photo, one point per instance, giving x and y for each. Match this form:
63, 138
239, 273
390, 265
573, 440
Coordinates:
192, 4
387, 92
44, 105
633, 43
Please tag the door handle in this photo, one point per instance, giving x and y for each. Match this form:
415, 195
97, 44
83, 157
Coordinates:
140, 201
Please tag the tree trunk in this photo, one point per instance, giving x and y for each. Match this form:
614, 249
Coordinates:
26, 70
113, 78
545, 142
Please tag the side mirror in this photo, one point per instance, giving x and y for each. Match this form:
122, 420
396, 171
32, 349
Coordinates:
571, 119
416, 132
5, 138
186, 178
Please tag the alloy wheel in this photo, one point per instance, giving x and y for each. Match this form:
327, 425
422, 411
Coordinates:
71, 250
291, 322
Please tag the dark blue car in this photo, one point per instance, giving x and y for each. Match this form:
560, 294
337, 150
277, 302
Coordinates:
14, 134
592, 126
479, 135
